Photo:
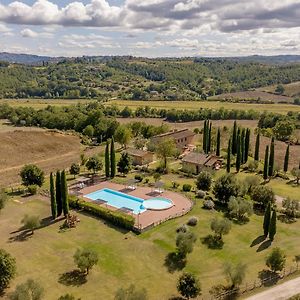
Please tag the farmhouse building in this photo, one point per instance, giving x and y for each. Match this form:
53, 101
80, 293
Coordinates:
194, 162
140, 157
183, 138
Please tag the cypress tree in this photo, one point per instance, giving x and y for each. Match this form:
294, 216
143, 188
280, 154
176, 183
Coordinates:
286, 159
234, 138
272, 158
238, 154
107, 167
218, 150
272, 229
204, 136
247, 144
64, 193
52, 198
266, 164
58, 193
267, 218
209, 138
242, 146
112, 159
228, 165
257, 144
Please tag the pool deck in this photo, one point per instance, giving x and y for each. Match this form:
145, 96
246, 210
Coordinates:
149, 218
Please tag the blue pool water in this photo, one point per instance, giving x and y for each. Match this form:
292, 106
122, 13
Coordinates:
135, 204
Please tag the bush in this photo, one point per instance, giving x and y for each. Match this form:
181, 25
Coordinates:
7, 269
116, 218
204, 181
32, 189
182, 228
200, 194
175, 185
186, 187
192, 221
208, 204
138, 177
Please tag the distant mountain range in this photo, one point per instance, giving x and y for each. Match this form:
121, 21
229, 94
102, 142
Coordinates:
31, 59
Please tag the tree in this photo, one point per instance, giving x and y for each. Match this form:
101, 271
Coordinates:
58, 193
188, 286
67, 297
286, 159
112, 159
279, 89
85, 259
262, 195
240, 208
228, 164
204, 181
272, 229
235, 273
238, 153
131, 293
123, 135
7, 269
94, 163
225, 187
220, 227
209, 138
266, 163
52, 198
234, 138
107, 163
64, 193
283, 130
257, 145
247, 145
89, 131
32, 175
291, 207
31, 223
296, 173
276, 260
204, 142
3, 198
185, 243
272, 158
124, 164
29, 290
267, 219
166, 148
242, 146
218, 148
74, 169
83, 159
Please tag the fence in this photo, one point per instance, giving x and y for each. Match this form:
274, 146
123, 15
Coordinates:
269, 280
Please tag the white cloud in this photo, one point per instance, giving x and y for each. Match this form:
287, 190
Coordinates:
28, 33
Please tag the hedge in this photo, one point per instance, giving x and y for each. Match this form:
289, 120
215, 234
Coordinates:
116, 218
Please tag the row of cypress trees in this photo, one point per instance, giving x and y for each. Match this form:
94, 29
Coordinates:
207, 138
59, 194
269, 224
110, 159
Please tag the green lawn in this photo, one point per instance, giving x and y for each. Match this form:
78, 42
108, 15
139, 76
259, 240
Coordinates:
127, 258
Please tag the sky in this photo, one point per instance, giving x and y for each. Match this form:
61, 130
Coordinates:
152, 28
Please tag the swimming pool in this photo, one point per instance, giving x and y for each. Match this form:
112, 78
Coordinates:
132, 203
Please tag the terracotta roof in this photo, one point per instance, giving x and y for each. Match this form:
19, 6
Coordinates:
212, 161
177, 134
137, 152
196, 158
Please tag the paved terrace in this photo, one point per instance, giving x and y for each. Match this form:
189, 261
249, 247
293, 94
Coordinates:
150, 217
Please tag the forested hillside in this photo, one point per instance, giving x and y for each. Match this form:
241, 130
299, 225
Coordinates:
141, 79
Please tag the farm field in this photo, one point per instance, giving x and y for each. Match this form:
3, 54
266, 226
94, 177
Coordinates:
290, 90
127, 258
195, 105
263, 95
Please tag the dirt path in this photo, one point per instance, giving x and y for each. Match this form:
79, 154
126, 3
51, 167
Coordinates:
280, 292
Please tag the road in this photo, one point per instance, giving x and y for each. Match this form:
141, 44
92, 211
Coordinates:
280, 292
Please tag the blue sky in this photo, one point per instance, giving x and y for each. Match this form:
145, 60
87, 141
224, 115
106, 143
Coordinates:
150, 28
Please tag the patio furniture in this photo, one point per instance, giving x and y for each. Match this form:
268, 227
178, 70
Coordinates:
158, 187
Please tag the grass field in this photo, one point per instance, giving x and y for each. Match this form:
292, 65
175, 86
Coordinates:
126, 258
195, 105
291, 89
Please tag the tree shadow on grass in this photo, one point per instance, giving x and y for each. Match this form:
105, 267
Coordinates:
21, 236
268, 278
174, 262
264, 245
258, 240
48, 221
177, 298
72, 278
212, 242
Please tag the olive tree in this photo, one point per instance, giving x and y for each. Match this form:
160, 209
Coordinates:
220, 227
29, 290
85, 259
235, 274
7, 269
204, 181
276, 260
32, 175
240, 208
31, 223
188, 286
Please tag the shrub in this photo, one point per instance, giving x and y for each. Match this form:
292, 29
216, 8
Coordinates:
209, 204
138, 177
182, 228
115, 217
175, 185
147, 180
262, 194
28, 290
188, 286
31, 223
32, 189
186, 187
204, 181
200, 194
7, 269
192, 221
276, 260
225, 187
